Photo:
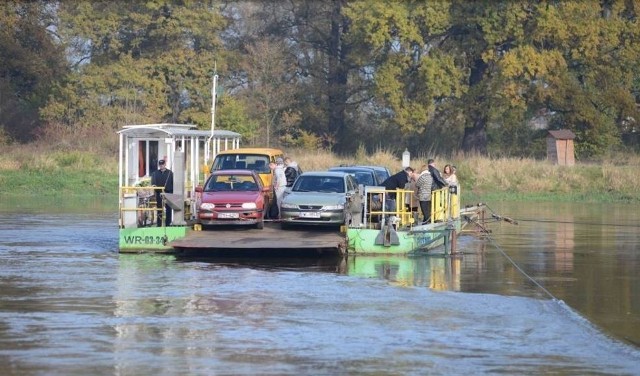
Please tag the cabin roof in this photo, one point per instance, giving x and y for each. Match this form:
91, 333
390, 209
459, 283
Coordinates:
562, 134
177, 130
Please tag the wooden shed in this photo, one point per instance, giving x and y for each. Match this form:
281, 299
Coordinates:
560, 148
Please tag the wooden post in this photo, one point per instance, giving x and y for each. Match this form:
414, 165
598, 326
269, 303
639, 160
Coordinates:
447, 249
454, 241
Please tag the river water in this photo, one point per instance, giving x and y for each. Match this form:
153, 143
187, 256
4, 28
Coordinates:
556, 293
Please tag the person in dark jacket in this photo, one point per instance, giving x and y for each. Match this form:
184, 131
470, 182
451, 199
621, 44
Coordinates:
438, 180
291, 171
393, 182
163, 177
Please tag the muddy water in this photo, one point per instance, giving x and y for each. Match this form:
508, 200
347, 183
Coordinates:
557, 293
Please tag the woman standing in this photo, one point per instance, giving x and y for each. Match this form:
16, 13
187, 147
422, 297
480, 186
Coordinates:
449, 175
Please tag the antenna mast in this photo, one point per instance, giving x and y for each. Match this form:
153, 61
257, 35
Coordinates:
211, 148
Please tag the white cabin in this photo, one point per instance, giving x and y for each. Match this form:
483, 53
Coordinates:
188, 152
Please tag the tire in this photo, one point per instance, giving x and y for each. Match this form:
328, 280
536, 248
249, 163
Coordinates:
260, 225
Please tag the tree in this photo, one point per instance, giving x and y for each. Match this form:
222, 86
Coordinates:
270, 92
400, 47
137, 62
30, 63
313, 42
574, 61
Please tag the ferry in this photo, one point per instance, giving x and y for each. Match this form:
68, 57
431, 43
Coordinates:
189, 154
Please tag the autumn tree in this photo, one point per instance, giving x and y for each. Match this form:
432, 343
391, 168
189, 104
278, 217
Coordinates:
137, 62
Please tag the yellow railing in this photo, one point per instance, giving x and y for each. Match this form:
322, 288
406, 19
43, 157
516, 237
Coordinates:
445, 205
376, 198
143, 203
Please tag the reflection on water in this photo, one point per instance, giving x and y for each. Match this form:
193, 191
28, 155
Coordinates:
70, 304
438, 273
586, 255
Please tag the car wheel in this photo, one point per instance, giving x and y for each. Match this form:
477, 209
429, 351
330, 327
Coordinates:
260, 225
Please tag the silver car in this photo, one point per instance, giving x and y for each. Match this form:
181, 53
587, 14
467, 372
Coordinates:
321, 198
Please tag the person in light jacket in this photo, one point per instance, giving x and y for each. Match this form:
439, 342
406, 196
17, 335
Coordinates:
449, 175
279, 181
423, 187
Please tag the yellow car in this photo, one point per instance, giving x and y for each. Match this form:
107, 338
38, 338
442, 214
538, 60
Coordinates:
256, 159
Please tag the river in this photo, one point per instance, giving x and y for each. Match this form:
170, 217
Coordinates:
556, 293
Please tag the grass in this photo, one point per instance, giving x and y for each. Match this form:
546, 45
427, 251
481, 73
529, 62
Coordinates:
36, 170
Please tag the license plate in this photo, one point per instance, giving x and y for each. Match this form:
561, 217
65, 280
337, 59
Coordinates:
310, 215
228, 215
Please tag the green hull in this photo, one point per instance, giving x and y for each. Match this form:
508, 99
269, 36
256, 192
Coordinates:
410, 241
150, 238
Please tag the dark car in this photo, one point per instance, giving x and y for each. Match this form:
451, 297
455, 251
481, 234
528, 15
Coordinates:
235, 197
382, 172
365, 176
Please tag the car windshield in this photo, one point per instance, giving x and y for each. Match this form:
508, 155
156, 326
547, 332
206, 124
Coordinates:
231, 183
319, 184
364, 177
256, 162
381, 175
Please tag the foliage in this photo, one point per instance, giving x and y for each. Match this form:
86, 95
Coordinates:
232, 116
30, 63
23, 172
136, 62
435, 77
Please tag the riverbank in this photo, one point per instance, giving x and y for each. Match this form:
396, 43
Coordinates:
482, 178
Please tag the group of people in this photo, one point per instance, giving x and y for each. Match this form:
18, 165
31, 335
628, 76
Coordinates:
421, 183
285, 171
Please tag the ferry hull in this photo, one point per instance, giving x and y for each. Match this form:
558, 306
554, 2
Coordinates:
417, 239
156, 239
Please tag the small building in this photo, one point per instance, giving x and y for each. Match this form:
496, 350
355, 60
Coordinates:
560, 149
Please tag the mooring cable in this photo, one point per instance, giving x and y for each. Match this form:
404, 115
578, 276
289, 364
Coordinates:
495, 244
563, 222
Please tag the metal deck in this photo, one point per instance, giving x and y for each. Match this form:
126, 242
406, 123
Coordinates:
243, 240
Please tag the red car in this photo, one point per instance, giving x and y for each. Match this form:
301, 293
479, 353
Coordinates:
233, 197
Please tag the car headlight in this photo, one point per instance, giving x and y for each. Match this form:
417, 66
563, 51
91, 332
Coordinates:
207, 206
249, 205
288, 206
334, 207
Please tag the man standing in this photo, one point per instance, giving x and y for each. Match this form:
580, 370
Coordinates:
393, 182
291, 171
438, 181
162, 177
